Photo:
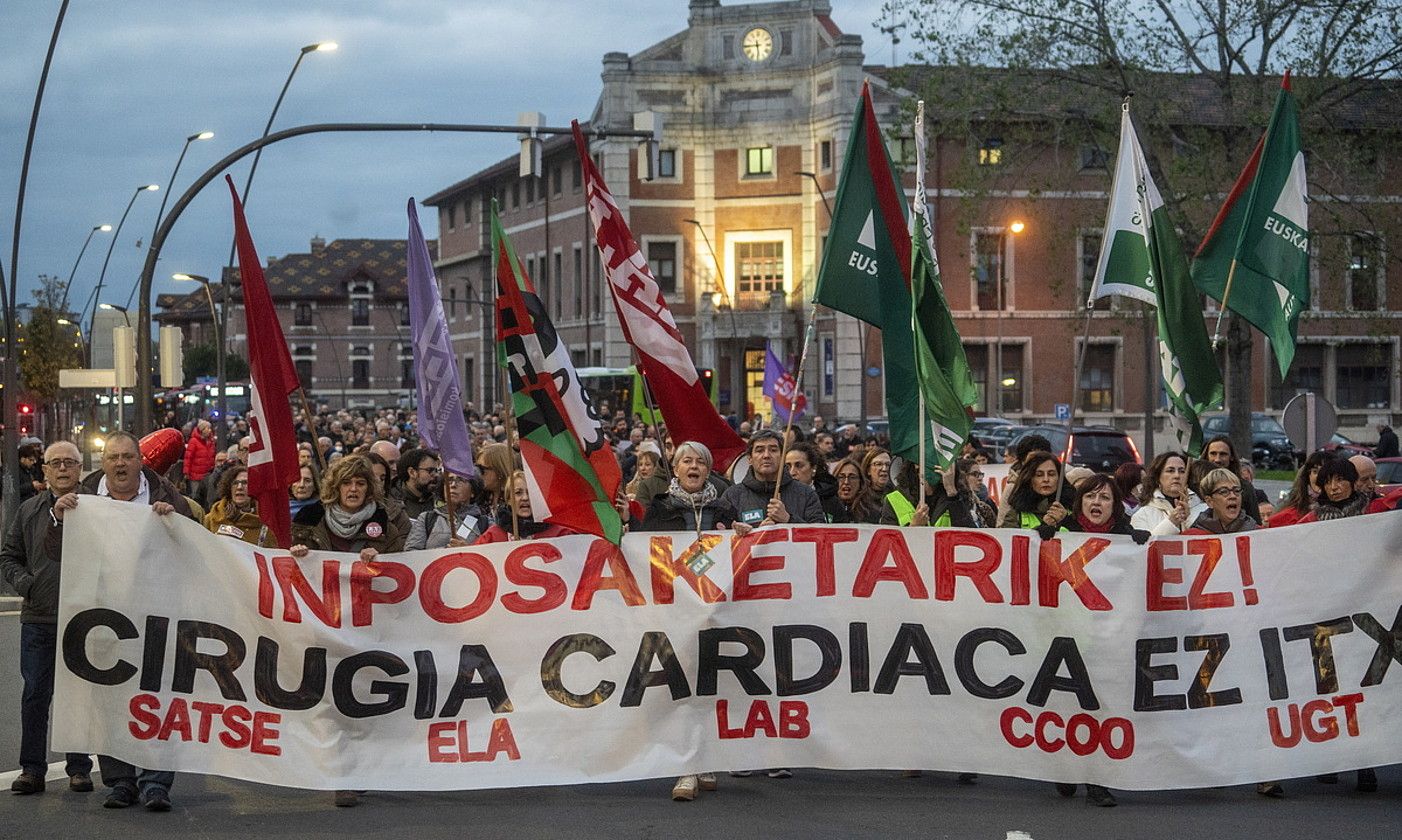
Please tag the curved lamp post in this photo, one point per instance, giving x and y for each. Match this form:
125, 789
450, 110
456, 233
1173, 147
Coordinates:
69, 286
214, 318
203, 135
97, 292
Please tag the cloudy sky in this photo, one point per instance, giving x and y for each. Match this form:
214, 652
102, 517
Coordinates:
133, 78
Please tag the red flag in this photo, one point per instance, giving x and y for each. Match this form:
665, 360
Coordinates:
272, 457
649, 327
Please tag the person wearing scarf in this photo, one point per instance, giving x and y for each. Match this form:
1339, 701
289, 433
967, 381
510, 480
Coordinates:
1338, 497
1225, 514
235, 513
1098, 509
304, 493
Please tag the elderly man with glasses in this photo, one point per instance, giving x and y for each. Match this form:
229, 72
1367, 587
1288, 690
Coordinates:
29, 562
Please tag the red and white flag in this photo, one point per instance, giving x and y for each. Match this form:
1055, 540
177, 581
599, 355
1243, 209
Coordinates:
649, 327
272, 456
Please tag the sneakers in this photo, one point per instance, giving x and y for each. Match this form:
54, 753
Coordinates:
780, 773
122, 796
1271, 789
685, 789
1066, 789
1367, 781
80, 783
707, 781
156, 799
27, 783
347, 798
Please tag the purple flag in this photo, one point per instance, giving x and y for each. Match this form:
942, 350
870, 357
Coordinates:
779, 387
441, 422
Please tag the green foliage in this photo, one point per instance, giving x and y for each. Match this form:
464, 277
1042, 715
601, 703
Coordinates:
46, 347
200, 360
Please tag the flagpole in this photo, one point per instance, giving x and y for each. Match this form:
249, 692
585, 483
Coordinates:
1226, 294
914, 251
448, 505
1075, 394
793, 399
311, 429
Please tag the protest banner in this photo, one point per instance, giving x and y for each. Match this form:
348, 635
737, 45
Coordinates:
1185, 662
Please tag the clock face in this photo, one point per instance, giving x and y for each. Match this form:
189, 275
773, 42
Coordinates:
758, 44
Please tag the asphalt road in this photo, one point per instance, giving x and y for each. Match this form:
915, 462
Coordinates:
814, 804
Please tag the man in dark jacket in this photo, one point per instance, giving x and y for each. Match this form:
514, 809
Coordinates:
124, 478
29, 562
418, 487
1387, 442
753, 499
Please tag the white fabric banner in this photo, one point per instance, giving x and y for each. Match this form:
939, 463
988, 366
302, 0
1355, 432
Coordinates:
1186, 662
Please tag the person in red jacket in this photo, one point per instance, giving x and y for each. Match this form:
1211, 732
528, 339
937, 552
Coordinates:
199, 452
525, 527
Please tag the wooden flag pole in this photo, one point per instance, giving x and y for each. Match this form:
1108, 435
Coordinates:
797, 389
1226, 295
311, 429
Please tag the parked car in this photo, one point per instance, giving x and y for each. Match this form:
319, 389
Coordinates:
1389, 474
1271, 448
993, 433
1102, 448
1340, 443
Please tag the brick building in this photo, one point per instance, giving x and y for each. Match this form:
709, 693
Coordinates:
344, 313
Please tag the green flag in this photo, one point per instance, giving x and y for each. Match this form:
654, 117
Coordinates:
1141, 254
866, 265
946, 384
1259, 242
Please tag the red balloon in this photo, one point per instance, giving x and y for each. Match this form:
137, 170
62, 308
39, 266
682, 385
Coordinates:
162, 448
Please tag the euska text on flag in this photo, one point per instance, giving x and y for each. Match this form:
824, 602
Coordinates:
539, 662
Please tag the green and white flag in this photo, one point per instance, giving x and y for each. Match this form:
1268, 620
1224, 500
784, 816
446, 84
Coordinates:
946, 384
1141, 257
1260, 238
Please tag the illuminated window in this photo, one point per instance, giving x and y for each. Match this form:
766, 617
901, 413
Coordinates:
759, 160
990, 153
759, 269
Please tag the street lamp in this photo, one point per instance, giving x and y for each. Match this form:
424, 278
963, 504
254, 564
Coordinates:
203, 135
1015, 228
63, 307
97, 292
218, 334
115, 308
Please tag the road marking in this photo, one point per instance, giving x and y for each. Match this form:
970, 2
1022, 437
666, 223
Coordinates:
1019, 835
56, 772
10, 612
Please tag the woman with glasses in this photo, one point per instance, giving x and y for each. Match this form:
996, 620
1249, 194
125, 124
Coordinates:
235, 513
876, 466
853, 493
1225, 514
496, 462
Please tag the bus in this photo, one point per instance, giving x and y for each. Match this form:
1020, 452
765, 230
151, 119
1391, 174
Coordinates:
201, 401
621, 387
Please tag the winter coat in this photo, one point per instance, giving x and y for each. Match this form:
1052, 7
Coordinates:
958, 512
1387, 444
833, 509
1324, 510
529, 529
1073, 524
385, 531
414, 506
1152, 516
1010, 518
29, 559
668, 513
244, 526
750, 499
1206, 523
159, 490
199, 457
430, 528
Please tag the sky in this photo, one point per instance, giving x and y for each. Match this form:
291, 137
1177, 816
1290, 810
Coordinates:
131, 79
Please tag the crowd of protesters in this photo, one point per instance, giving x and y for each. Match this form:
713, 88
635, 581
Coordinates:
366, 487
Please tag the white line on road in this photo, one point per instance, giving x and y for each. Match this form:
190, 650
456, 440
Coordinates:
1019, 835
55, 773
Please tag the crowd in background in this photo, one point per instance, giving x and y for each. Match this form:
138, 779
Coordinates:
366, 486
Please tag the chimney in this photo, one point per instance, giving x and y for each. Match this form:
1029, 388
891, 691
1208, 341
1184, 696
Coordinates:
318, 244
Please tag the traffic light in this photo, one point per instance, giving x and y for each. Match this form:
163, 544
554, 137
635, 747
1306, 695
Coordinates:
26, 418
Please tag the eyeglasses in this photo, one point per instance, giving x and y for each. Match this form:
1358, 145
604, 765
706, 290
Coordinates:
976, 475
846, 477
430, 470
1227, 491
62, 463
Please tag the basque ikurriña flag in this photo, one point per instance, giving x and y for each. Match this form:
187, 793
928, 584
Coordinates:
779, 387
272, 456
571, 472
442, 425
648, 325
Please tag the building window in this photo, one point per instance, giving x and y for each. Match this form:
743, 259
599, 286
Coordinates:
559, 275
759, 160
1098, 378
466, 212
452, 216
1011, 384
577, 177
727, 46
825, 155
1363, 376
1306, 374
1090, 243
785, 42
977, 357
406, 372
404, 314
667, 163
990, 152
662, 261
578, 281
360, 313
989, 282
1093, 157
304, 372
360, 373
1365, 273
557, 180
759, 270
469, 377
302, 315
515, 195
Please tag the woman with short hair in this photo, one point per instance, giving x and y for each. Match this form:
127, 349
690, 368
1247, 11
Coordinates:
514, 520
235, 513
